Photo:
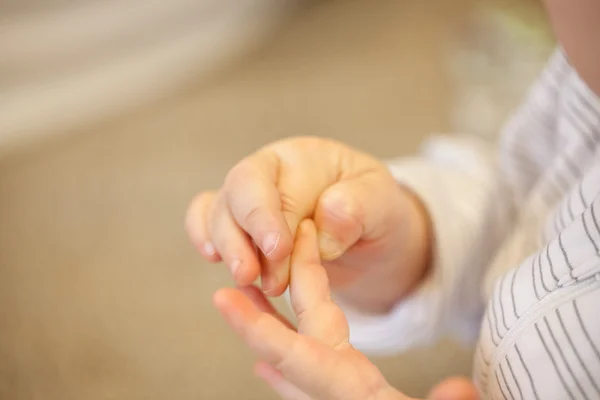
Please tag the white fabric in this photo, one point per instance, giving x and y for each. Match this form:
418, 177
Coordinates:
65, 66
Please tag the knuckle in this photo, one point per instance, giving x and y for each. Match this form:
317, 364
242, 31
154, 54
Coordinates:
238, 174
293, 205
339, 205
301, 145
204, 200
197, 213
252, 217
198, 204
300, 312
215, 217
309, 142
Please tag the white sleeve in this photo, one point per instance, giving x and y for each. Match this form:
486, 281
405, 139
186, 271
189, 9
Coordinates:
471, 211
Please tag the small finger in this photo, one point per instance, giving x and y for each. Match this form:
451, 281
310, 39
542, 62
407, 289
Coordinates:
196, 222
277, 382
318, 316
255, 203
234, 246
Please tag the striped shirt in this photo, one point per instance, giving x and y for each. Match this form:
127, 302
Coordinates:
517, 249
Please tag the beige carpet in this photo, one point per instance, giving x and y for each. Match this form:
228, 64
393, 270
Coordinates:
101, 297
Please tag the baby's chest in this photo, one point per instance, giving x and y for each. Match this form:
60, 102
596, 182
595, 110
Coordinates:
548, 349
541, 333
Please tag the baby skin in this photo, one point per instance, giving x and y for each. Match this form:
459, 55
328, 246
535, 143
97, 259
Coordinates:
315, 215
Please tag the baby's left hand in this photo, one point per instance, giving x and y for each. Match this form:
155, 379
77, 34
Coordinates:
316, 361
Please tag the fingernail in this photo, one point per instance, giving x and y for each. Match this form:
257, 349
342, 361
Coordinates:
209, 249
234, 266
329, 248
270, 242
269, 284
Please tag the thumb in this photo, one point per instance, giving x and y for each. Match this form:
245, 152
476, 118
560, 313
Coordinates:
353, 209
454, 389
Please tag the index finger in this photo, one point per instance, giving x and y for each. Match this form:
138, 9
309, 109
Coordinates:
318, 316
254, 201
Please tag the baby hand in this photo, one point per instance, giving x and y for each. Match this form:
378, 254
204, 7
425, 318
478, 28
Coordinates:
366, 222
315, 361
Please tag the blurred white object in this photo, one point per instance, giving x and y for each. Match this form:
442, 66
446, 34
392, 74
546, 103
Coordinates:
494, 61
76, 62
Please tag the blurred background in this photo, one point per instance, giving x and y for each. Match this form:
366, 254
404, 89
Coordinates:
113, 114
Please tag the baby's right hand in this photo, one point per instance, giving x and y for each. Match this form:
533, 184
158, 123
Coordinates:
366, 222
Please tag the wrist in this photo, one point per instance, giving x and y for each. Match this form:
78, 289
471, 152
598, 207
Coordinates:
420, 239
411, 250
